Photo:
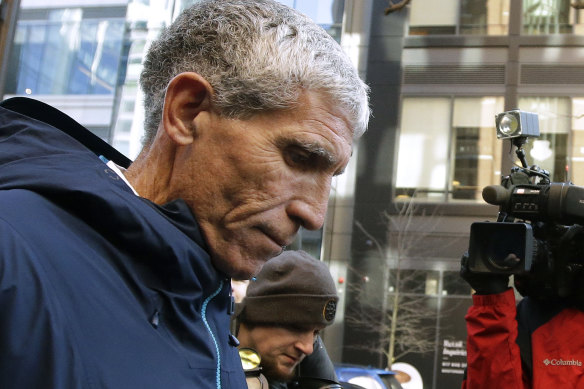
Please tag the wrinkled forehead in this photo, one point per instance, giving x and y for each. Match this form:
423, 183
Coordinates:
334, 123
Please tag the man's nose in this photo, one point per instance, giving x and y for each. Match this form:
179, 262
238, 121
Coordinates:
305, 343
310, 205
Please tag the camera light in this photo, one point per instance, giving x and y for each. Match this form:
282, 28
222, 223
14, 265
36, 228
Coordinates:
516, 123
508, 125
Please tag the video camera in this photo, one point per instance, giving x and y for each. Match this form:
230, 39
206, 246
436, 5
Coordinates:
538, 237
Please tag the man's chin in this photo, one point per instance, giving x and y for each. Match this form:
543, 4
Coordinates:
283, 375
238, 268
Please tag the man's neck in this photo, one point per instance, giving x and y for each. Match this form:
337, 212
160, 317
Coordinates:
150, 174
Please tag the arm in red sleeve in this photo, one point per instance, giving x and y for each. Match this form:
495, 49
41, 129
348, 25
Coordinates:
493, 357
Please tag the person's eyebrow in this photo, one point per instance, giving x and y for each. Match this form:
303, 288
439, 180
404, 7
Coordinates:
325, 157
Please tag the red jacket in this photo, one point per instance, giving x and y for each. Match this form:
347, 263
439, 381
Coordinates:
533, 346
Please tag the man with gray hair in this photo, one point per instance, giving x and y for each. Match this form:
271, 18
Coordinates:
115, 274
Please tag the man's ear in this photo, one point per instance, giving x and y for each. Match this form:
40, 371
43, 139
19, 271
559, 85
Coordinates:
187, 95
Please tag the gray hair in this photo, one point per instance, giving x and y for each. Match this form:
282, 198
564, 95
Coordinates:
258, 55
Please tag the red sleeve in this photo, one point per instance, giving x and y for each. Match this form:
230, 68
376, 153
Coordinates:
493, 358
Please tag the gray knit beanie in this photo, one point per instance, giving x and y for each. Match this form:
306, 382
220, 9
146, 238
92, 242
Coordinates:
291, 289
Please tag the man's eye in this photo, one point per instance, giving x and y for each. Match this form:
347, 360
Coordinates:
298, 157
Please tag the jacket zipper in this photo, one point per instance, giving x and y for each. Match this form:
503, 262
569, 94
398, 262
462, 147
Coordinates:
204, 316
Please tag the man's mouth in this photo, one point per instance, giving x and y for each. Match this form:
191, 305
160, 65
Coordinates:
278, 239
291, 359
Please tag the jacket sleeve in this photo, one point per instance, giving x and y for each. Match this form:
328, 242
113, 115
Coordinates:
493, 357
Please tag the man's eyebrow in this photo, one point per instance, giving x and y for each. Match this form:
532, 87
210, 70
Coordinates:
318, 150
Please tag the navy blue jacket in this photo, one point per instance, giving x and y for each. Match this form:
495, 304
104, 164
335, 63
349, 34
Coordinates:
100, 288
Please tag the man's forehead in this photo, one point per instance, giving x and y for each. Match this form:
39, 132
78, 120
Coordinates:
326, 117
303, 327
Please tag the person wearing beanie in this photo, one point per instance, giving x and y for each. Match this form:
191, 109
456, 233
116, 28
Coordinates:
286, 305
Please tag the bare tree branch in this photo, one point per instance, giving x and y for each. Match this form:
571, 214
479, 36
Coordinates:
392, 7
396, 308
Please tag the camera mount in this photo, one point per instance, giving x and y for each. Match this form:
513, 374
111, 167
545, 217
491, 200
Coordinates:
520, 152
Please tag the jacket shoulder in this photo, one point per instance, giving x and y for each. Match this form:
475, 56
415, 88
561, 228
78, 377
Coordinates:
47, 114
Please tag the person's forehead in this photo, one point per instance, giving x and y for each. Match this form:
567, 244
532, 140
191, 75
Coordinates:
323, 105
327, 128
303, 327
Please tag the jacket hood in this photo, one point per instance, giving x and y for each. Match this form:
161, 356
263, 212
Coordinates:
41, 158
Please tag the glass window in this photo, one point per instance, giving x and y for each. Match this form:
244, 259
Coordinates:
423, 147
327, 13
577, 149
65, 53
467, 17
433, 17
550, 150
552, 17
546, 17
476, 152
453, 152
480, 17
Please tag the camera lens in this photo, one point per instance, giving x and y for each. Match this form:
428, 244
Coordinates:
504, 261
505, 248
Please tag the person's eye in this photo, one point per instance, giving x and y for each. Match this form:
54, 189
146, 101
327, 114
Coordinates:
298, 157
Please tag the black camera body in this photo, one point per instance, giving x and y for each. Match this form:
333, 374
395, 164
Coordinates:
538, 237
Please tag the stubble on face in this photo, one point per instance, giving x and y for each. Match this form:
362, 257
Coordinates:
274, 370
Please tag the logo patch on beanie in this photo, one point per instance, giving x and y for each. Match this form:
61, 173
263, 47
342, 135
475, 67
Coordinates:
329, 311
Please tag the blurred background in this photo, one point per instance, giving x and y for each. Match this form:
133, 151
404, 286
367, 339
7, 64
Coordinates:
399, 217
